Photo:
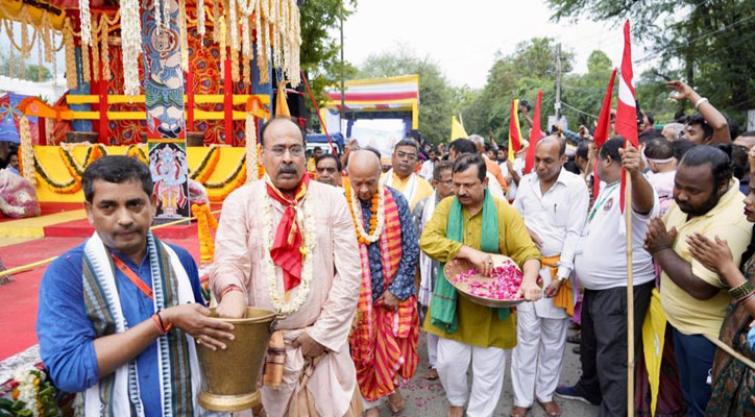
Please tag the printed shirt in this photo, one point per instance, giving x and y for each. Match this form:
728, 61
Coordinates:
66, 335
403, 285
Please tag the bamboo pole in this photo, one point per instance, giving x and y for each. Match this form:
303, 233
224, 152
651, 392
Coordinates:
630, 296
33, 265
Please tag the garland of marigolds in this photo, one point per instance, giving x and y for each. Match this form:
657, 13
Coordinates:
207, 165
26, 151
206, 225
94, 152
70, 187
377, 221
236, 179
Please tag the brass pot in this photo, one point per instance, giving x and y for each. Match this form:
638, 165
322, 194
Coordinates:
229, 377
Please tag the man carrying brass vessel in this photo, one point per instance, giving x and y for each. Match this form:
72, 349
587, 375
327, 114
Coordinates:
287, 244
120, 314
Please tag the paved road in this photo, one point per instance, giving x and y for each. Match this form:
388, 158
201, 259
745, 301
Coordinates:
427, 398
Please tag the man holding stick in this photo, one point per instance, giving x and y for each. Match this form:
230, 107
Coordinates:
601, 266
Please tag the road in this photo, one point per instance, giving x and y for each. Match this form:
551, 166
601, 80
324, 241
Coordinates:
427, 398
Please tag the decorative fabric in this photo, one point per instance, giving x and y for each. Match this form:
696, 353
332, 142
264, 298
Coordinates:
564, 298
286, 249
384, 341
118, 394
443, 302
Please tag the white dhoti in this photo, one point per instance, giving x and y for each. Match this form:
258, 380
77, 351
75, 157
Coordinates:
487, 375
432, 350
537, 358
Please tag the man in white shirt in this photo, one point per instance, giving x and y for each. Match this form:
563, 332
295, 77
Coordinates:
601, 266
554, 204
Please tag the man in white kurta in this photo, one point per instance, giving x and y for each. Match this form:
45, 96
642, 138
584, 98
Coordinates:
320, 309
554, 205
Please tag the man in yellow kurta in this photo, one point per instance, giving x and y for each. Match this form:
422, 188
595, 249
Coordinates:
402, 175
471, 226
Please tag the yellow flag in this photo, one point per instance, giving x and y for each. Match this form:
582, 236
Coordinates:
281, 105
457, 129
653, 335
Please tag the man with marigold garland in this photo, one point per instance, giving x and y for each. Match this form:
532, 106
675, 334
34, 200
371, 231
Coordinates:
287, 244
386, 332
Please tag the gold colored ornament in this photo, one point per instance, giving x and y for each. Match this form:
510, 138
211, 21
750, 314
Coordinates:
96, 51
71, 78
105, 48
27, 150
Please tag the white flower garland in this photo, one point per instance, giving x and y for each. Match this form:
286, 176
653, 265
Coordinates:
305, 217
201, 29
27, 389
131, 44
357, 210
85, 17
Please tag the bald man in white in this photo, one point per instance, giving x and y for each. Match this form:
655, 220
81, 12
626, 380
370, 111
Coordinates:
553, 202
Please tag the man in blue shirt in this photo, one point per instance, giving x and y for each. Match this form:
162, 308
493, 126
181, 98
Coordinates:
119, 315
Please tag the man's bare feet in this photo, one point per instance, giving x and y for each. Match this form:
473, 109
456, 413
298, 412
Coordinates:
431, 374
372, 412
396, 402
454, 411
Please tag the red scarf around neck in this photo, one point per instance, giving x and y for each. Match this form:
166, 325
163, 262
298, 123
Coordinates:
286, 250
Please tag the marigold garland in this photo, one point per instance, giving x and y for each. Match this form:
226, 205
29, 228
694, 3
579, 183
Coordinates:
94, 152
377, 220
221, 189
206, 225
70, 187
207, 165
136, 151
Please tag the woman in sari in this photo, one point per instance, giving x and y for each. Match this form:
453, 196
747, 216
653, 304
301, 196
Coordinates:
733, 382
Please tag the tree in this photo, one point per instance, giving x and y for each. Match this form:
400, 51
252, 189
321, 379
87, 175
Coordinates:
435, 94
18, 68
705, 42
320, 50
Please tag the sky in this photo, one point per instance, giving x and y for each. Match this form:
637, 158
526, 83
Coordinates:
463, 37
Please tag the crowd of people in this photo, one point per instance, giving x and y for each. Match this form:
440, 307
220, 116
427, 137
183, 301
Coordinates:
352, 254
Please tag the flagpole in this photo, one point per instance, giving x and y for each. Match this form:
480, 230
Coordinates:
630, 296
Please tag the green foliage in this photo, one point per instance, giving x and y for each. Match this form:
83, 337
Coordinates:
13, 65
706, 43
320, 49
435, 94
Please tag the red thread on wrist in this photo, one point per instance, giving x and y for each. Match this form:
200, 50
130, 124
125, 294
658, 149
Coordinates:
230, 288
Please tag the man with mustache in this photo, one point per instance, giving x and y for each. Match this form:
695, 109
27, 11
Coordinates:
287, 244
472, 226
385, 335
328, 169
695, 299
402, 175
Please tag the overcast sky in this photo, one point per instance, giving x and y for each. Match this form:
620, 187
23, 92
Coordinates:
463, 37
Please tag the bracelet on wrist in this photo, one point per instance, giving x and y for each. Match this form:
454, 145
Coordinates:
742, 291
163, 327
156, 320
230, 288
745, 297
699, 102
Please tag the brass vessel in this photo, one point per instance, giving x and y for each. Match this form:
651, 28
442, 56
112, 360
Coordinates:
229, 377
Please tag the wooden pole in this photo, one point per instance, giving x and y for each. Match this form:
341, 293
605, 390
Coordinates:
630, 296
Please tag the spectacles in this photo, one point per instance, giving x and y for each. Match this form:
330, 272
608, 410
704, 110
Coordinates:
279, 150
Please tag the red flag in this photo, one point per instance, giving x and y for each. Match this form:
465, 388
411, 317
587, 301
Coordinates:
626, 111
535, 133
514, 143
601, 131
